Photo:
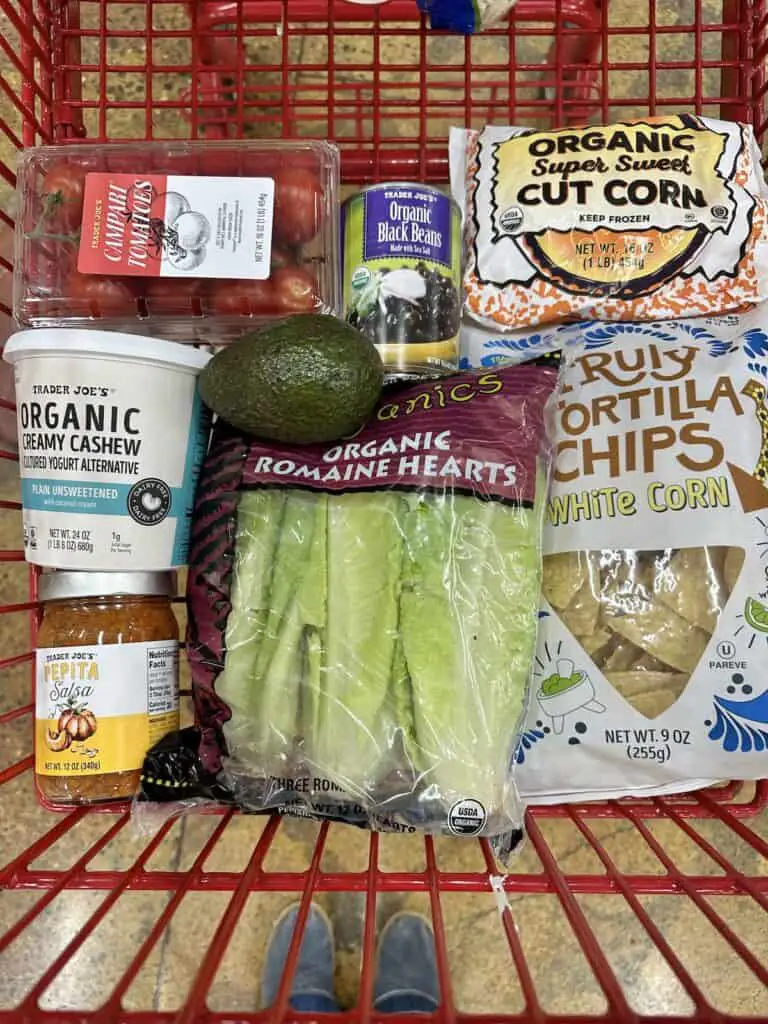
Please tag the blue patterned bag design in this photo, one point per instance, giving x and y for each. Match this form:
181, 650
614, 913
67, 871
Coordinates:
652, 665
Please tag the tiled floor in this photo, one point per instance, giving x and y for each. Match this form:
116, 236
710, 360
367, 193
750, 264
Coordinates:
483, 976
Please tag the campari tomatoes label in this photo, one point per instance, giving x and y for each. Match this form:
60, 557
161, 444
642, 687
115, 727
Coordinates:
159, 225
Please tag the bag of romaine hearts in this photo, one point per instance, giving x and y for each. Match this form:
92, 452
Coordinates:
363, 614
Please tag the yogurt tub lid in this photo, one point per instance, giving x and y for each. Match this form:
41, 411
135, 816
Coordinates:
58, 586
75, 341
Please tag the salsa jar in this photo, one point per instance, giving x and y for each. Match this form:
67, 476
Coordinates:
107, 681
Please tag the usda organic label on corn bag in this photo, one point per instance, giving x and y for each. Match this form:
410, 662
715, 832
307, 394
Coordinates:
638, 220
652, 656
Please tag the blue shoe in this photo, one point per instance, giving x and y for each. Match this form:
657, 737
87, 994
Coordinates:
406, 971
312, 990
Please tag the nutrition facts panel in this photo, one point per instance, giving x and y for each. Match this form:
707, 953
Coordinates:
162, 688
162, 676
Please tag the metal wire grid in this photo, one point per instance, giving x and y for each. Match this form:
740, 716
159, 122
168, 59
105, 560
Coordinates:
372, 883
371, 78
387, 91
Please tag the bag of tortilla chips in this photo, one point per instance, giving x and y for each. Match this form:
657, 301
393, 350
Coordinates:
653, 644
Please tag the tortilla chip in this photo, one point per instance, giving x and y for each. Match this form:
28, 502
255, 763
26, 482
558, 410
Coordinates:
621, 655
563, 577
594, 642
734, 560
650, 693
581, 615
645, 611
689, 585
650, 664
625, 581
717, 561
659, 631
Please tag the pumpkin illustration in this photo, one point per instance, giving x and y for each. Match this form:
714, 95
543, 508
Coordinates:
78, 721
57, 740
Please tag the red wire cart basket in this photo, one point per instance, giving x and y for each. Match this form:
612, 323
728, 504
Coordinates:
636, 911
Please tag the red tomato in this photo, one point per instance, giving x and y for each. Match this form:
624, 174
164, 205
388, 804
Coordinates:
172, 295
295, 290
280, 258
97, 296
290, 289
63, 187
242, 298
298, 198
222, 163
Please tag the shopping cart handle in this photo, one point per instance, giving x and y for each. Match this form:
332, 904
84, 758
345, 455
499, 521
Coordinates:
208, 14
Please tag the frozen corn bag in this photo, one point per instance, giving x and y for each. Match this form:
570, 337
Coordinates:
645, 220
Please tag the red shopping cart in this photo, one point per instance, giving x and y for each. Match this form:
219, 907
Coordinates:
629, 911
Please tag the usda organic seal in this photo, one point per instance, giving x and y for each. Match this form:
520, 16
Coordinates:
466, 818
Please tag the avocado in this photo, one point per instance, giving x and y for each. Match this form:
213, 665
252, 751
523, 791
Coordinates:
304, 380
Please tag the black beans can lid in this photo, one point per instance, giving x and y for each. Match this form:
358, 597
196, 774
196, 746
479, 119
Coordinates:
58, 586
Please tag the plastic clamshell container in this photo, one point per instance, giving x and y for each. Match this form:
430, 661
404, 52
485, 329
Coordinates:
112, 435
189, 240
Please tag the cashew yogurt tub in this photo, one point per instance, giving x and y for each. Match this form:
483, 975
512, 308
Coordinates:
112, 432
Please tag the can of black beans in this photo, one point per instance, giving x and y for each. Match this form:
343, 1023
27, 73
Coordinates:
402, 275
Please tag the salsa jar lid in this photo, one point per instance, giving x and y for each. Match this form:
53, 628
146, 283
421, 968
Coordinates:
58, 586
